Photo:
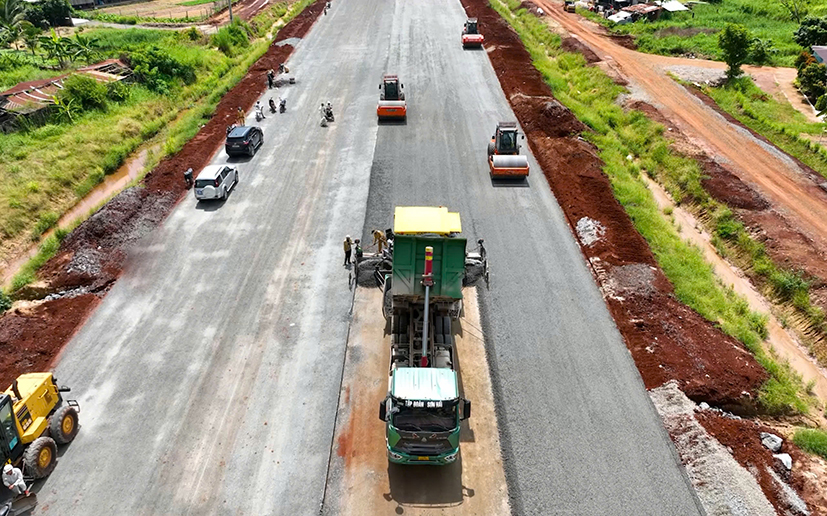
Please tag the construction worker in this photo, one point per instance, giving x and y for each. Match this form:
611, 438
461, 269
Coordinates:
188, 178
379, 239
348, 244
359, 253
240, 116
271, 75
13, 479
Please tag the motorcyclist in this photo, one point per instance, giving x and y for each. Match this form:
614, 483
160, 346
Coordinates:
272, 105
328, 112
259, 109
282, 105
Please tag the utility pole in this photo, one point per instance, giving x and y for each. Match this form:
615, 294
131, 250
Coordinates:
230, 3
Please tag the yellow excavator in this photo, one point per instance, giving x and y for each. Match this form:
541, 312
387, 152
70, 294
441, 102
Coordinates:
33, 421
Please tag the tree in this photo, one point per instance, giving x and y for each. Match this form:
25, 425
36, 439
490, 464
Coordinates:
797, 9
31, 36
85, 48
49, 13
56, 47
813, 31
761, 50
12, 14
734, 42
812, 80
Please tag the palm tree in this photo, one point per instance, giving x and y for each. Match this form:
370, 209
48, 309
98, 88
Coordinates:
11, 16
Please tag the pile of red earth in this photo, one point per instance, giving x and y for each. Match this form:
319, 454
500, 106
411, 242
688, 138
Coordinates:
667, 339
93, 255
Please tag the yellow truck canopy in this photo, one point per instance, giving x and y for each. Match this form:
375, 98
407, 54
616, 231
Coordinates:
409, 220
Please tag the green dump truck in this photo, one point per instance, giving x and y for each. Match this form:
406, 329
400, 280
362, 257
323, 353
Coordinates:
424, 407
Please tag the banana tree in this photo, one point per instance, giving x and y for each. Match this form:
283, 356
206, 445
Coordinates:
12, 14
56, 47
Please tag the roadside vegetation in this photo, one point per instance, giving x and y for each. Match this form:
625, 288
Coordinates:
771, 25
181, 76
811, 440
618, 133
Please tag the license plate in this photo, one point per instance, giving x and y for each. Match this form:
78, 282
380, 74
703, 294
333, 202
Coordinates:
423, 458
199, 192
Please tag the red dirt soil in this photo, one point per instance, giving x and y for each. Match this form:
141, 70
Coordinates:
30, 338
667, 339
93, 255
743, 437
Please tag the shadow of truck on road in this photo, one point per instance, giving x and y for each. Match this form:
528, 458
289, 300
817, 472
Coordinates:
426, 486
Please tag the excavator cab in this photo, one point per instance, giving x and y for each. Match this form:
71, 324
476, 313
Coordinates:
12, 446
504, 159
391, 98
471, 36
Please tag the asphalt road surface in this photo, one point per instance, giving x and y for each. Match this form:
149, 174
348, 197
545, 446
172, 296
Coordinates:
209, 376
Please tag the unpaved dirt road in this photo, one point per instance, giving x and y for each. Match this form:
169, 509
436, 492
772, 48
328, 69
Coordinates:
361, 481
773, 173
210, 375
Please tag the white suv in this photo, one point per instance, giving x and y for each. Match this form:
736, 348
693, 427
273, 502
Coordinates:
215, 182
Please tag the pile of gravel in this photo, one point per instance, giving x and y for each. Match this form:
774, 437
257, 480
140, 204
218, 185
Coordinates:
722, 485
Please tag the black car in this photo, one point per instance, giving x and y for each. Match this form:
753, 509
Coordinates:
244, 140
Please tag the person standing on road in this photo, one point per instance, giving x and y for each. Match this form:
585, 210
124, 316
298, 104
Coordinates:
188, 177
13, 479
240, 117
348, 244
379, 240
270, 76
358, 251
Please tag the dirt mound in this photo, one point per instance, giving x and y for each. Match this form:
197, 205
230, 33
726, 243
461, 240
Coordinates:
726, 187
546, 116
31, 338
532, 8
667, 339
92, 256
572, 44
624, 40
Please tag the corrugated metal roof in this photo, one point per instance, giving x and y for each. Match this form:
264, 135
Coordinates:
422, 219
642, 8
30, 96
673, 6
424, 383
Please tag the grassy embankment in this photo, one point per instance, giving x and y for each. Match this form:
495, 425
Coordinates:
617, 133
813, 441
682, 33
46, 170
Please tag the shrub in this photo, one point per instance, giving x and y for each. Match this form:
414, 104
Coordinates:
49, 13
813, 31
228, 38
5, 302
117, 91
84, 91
156, 68
734, 42
811, 78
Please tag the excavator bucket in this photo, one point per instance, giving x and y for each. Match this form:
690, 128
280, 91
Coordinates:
510, 166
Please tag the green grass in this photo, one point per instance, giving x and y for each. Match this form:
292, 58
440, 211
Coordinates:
779, 122
591, 95
813, 441
196, 2
198, 102
680, 33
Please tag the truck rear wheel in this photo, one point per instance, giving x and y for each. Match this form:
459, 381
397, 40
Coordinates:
40, 458
63, 425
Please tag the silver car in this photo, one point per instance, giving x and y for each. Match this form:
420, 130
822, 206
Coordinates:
215, 182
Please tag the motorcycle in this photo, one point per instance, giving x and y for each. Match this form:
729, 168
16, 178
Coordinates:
273, 106
282, 105
230, 128
259, 114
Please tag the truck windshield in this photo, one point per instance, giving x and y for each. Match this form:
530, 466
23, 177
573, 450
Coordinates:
441, 419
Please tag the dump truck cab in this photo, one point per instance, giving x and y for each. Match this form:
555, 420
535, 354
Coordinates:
424, 407
471, 36
504, 159
33, 421
423, 414
391, 99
